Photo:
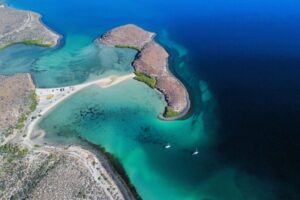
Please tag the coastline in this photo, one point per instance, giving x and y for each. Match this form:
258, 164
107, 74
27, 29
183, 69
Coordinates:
184, 113
114, 167
172, 62
188, 109
60, 37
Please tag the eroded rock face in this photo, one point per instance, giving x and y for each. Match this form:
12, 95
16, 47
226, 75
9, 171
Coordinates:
14, 99
152, 60
127, 36
17, 26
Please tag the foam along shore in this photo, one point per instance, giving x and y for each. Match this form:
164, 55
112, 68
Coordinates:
26, 27
151, 66
50, 97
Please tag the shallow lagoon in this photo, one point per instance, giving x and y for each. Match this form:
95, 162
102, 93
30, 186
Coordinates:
124, 120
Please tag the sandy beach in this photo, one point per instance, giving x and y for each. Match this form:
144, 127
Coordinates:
51, 97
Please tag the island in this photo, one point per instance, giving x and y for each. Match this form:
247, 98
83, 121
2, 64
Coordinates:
151, 67
19, 26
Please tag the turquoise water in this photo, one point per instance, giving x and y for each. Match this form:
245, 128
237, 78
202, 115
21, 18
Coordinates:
78, 61
240, 62
124, 121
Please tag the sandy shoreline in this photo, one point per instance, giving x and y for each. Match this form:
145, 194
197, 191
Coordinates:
58, 95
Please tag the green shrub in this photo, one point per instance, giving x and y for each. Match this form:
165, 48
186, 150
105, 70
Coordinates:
33, 99
150, 81
28, 42
169, 112
33, 102
21, 121
13, 149
35, 42
128, 47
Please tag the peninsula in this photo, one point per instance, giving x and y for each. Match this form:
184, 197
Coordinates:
18, 26
151, 66
31, 170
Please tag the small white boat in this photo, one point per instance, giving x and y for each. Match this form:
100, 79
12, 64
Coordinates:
195, 152
167, 146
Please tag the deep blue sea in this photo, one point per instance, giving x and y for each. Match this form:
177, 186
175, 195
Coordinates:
240, 60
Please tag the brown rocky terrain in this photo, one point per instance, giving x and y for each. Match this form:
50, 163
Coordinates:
48, 174
15, 92
68, 178
152, 60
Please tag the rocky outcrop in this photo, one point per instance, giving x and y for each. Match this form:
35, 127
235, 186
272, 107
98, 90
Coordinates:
18, 26
152, 60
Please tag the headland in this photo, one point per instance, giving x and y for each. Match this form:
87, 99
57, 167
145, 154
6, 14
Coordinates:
25, 27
